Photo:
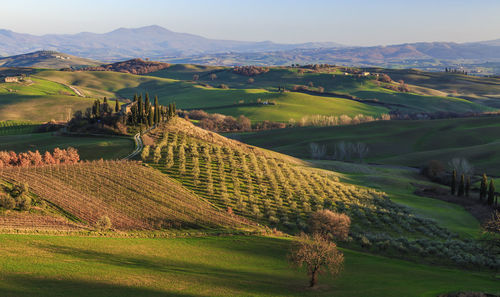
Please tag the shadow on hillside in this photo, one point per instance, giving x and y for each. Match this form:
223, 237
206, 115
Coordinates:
246, 278
23, 285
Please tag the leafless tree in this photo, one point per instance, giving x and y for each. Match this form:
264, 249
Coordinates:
317, 255
196, 77
318, 151
213, 76
462, 166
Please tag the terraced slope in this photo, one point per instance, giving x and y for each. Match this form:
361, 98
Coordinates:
134, 197
281, 192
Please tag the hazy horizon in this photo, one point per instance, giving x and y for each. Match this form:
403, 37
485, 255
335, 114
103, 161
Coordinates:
356, 23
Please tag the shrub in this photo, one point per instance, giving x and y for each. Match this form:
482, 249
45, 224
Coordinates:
104, 223
330, 224
24, 203
7, 202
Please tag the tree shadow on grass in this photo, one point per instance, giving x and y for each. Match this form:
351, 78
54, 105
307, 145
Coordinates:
22, 285
250, 280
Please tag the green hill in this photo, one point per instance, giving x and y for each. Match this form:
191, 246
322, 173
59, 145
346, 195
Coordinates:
410, 143
39, 100
46, 59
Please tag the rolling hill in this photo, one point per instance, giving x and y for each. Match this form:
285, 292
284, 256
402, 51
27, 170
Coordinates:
46, 59
122, 192
413, 143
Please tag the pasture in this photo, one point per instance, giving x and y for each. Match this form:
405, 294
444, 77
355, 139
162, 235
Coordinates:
209, 266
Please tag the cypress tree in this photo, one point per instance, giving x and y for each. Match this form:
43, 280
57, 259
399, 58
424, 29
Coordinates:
146, 103
483, 188
157, 111
461, 186
150, 116
135, 97
453, 182
467, 186
174, 110
491, 193
98, 108
140, 109
117, 106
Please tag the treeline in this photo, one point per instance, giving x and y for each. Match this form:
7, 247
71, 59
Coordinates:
223, 123
144, 112
330, 121
454, 70
27, 159
250, 70
134, 66
102, 116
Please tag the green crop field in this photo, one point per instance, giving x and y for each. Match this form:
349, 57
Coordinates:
39, 101
212, 266
89, 148
409, 143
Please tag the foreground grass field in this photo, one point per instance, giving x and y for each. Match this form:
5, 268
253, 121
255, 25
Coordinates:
89, 148
412, 143
212, 266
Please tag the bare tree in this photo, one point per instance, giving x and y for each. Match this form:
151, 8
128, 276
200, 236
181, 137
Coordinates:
362, 150
196, 77
317, 255
462, 166
318, 151
213, 76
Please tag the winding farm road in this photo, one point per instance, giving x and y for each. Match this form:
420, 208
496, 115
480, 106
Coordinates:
138, 147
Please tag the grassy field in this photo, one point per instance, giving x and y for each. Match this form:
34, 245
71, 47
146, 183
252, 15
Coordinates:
399, 184
89, 148
212, 266
410, 143
234, 101
451, 83
334, 80
39, 101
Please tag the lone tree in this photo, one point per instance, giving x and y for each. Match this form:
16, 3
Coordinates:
484, 187
461, 186
491, 193
117, 106
317, 255
453, 182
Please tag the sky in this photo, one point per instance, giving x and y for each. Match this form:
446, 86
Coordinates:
349, 22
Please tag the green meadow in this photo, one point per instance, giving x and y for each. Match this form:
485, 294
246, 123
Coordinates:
408, 143
89, 147
208, 266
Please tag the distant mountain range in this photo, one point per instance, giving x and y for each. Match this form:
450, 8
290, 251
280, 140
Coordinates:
157, 43
152, 42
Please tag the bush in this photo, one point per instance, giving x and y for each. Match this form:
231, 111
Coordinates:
104, 223
7, 202
330, 224
24, 203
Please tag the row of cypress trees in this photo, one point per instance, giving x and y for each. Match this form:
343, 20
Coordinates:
462, 188
143, 112
101, 109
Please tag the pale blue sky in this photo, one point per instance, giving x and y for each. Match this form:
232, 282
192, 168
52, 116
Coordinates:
351, 22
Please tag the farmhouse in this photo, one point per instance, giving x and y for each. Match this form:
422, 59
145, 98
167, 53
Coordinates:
11, 79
